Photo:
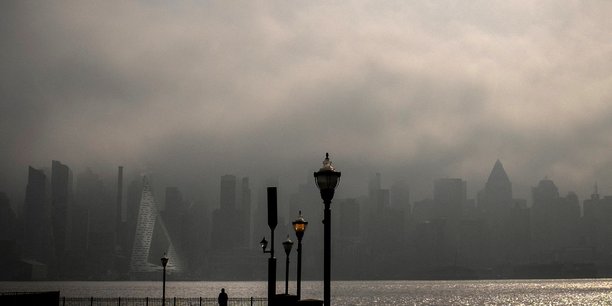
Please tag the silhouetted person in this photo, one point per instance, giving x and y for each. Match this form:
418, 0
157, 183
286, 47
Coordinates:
222, 298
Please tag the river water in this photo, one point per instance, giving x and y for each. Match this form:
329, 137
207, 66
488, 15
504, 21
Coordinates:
481, 292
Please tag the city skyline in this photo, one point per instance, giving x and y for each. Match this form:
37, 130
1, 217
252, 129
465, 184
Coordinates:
162, 181
446, 235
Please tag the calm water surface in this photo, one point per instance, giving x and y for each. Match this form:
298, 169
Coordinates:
484, 292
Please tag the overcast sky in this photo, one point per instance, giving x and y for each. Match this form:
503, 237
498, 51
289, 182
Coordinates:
416, 90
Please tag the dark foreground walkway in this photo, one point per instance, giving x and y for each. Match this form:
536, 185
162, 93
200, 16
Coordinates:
172, 301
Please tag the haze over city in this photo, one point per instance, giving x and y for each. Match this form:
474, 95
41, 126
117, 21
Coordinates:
194, 90
188, 92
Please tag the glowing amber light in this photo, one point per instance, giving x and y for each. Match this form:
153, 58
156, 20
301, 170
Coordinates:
299, 226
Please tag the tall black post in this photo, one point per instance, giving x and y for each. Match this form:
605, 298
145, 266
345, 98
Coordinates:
327, 255
164, 287
272, 222
299, 269
327, 180
287, 275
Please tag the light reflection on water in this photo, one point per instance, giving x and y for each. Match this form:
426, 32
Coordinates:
483, 292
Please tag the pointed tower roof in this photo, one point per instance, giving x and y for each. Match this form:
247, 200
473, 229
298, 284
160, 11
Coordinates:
498, 174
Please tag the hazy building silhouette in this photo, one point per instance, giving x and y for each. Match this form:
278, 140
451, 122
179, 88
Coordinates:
507, 222
94, 199
399, 194
347, 245
8, 219
231, 257
597, 226
384, 229
195, 240
449, 198
151, 239
38, 231
554, 221
61, 204
226, 220
497, 192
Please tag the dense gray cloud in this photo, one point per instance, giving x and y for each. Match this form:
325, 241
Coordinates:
413, 89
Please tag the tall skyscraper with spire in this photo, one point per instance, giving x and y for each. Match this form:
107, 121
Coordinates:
497, 192
507, 224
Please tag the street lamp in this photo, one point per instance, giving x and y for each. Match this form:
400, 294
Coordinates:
299, 226
272, 222
327, 179
287, 245
264, 244
164, 261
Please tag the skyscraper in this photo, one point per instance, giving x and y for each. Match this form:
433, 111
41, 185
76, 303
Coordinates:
554, 220
226, 220
8, 219
497, 191
151, 238
38, 232
507, 224
61, 202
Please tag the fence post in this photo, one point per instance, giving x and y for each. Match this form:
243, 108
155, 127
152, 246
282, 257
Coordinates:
251, 301
147, 301
119, 301
91, 301
174, 302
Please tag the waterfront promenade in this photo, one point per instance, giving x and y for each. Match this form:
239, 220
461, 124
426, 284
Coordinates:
54, 298
170, 301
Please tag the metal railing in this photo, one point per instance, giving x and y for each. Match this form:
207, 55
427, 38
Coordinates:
173, 301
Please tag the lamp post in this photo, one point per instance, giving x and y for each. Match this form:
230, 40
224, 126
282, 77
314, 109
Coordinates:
164, 261
272, 222
287, 245
271, 269
327, 179
299, 226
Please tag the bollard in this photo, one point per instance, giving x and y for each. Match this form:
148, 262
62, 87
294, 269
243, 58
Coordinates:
251, 301
119, 301
200, 301
147, 301
64, 302
91, 301
174, 302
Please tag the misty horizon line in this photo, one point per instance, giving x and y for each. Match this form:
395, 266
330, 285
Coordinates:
151, 175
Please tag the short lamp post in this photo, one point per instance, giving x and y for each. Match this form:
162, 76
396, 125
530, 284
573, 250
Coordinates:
271, 269
287, 245
299, 226
264, 244
327, 179
164, 262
